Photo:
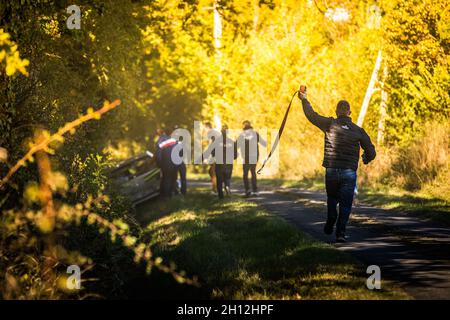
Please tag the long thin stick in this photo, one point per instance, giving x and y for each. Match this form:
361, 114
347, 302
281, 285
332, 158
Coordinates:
280, 132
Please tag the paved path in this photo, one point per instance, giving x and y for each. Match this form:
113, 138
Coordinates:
413, 253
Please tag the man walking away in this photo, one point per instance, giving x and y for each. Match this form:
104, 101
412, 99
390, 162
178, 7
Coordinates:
249, 141
164, 147
343, 140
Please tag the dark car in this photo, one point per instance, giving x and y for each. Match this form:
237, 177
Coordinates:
137, 178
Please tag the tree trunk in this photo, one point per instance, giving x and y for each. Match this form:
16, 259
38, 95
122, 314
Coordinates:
383, 107
370, 90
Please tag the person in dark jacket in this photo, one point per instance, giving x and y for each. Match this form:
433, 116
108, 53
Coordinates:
211, 135
248, 143
224, 152
169, 169
343, 140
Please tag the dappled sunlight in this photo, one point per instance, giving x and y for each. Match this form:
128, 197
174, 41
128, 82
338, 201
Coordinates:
184, 215
94, 94
240, 251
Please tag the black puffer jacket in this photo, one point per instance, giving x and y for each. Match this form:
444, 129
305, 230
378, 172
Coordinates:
343, 139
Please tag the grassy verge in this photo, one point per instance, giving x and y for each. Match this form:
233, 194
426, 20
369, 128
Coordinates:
416, 203
425, 206
240, 251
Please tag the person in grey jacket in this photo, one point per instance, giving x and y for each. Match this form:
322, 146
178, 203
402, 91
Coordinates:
343, 140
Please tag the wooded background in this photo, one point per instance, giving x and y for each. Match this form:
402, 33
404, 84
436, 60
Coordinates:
161, 60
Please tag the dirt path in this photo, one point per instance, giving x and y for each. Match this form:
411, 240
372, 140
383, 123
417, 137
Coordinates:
412, 252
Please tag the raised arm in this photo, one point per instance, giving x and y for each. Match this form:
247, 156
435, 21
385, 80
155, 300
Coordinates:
368, 147
323, 123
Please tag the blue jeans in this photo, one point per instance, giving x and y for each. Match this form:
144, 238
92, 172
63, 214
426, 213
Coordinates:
340, 185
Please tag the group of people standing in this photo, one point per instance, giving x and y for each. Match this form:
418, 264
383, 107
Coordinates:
219, 154
223, 150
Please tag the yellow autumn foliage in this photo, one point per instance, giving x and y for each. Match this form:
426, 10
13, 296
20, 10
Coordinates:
10, 56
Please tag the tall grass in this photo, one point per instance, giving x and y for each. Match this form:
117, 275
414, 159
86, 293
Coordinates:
420, 165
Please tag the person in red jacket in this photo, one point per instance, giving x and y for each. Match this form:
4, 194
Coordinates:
169, 169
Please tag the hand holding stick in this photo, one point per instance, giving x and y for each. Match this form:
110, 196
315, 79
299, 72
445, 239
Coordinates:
302, 92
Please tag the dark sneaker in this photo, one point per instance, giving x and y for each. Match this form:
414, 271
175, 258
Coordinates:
328, 228
248, 194
341, 238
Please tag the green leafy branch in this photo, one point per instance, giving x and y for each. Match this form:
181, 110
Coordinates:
46, 140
